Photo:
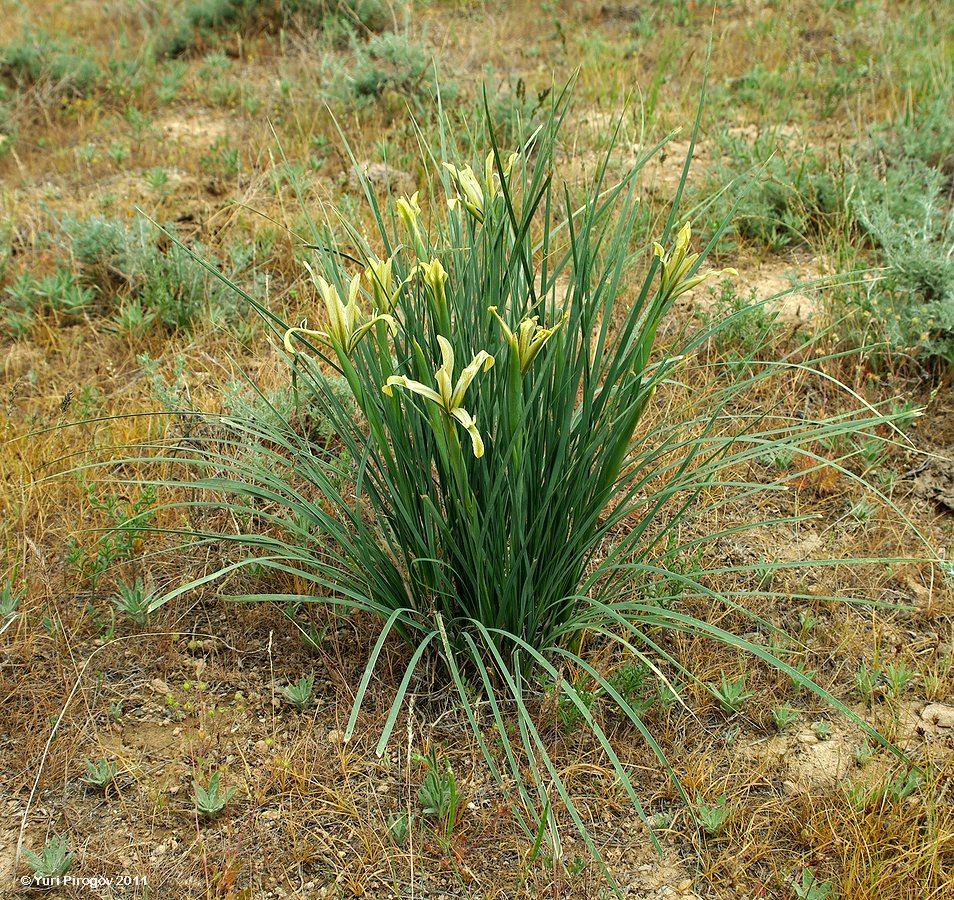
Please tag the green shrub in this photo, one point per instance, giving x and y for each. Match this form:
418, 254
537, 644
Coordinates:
909, 217
36, 58
202, 21
503, 492
389, 67
781, 193
515, 111
155, 284
924, 134
388, 61
58, 293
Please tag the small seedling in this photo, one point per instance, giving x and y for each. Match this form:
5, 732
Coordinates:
784, 717
780, 458
859, 796
810, 888
134, 318
947, 570
399, 827
864, 753
298, 693
872, 451
807, 621
629, 681
801, 668
117, 152
865, 681
936, 676
134, 601
898, 677
766, 576
157, 180
212, 800
905, 413
822, 730
569, 714
312, 637
53, 861
862, 511
576, 865
732, 694
9, 600
669, 694
438, 794
904, 785
100, 774
713, 818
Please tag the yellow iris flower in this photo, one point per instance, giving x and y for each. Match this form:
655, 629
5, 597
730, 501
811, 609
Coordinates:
449, 396
528, 339
477, 195
677, 264
345, 325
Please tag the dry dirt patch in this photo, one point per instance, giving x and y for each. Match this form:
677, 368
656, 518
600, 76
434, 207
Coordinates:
196, 131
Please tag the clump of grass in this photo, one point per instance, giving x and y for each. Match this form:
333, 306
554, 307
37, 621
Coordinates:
38, 58
781, 192
909, 217
199, 22
389, 66
504, 484
142, 283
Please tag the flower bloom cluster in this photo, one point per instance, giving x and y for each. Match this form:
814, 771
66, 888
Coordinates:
349, 324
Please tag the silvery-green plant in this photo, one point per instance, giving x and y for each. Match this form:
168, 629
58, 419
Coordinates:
52, 862
399, 827
784, 717
439, 796
101, 773
822, 730
731, 694
866, 681
9, 599
211, 800
502, 486
811, 887
135, 601
713, 818
298, 693
897, 676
